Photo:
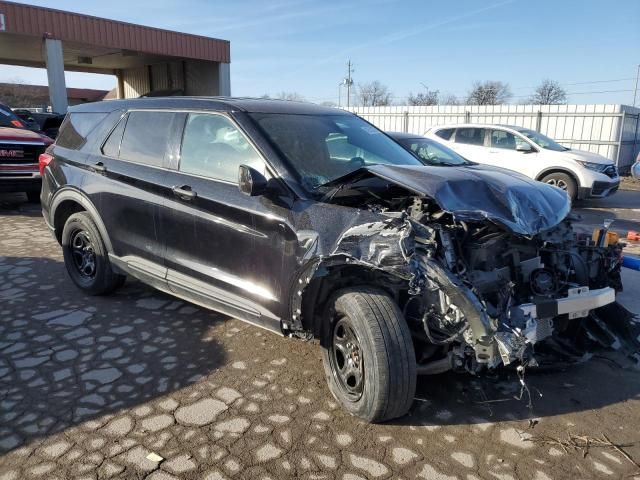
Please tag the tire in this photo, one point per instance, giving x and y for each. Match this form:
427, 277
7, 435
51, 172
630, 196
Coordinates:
377, 381
85, 256
33, 196
564, 182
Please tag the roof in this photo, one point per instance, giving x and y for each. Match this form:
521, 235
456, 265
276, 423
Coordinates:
42, 91
474, 125
8, 134
252, 105
85, 29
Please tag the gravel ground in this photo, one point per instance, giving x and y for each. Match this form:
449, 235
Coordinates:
142, 385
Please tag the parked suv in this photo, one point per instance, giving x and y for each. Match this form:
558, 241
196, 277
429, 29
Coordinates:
19, 152
581, 174
310, 222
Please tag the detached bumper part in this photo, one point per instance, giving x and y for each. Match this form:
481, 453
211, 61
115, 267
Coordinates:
536, 318
576, 304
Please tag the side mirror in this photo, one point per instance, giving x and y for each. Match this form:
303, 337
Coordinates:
524, 148
251, 182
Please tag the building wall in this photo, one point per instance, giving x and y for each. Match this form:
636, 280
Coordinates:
191, 77
594, 128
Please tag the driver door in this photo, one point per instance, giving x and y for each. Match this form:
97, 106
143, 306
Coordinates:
224, 249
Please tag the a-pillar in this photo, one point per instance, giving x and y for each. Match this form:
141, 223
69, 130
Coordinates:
55, 75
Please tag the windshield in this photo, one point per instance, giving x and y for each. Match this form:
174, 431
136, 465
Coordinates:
433, 153
541, 140
322, 148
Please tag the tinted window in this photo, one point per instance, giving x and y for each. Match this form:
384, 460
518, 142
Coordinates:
9, 119
470, 136
146, 137
213, 147
445, 133
433, 153
76, 128
111, 147
320, 147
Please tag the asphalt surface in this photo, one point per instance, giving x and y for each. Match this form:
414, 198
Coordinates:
140, 385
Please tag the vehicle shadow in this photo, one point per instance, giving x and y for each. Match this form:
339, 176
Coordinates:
17, 204
462, 399
620, 199
67, 358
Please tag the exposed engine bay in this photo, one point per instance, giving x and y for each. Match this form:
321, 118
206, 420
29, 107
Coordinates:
486, 296
478, 287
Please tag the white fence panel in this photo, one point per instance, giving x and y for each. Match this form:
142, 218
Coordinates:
610, 130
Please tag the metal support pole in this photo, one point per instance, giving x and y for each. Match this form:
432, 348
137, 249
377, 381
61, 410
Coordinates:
467, 116
635, 90
55, 75
538, 121
620, 135
405, 125
224, 79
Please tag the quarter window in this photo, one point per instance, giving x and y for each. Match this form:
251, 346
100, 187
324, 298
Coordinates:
146, 137
213, 147
470, 136
445, 133
76, 128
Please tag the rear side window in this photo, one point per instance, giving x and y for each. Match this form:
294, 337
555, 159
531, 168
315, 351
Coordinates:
146, 137
9, 119
76, 129
470, 136
445, 133
111, 147
213, 147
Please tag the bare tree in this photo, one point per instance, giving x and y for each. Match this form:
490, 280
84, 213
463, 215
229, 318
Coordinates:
426, 98
293, 96
373, 94
549, 92
449, 99
489, 93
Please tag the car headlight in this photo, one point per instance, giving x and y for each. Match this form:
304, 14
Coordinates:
596, 167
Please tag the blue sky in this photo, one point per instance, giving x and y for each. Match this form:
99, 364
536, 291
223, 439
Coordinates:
303, 45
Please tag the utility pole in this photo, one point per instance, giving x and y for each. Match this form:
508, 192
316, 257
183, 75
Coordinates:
635, 90
349, 81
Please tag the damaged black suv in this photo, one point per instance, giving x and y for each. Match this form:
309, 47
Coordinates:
312, 223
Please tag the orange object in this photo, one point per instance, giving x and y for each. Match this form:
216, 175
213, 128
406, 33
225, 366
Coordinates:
611, 239
632, 235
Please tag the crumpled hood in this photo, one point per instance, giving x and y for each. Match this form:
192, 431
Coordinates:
476, 193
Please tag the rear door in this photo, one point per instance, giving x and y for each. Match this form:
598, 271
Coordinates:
126, 179
470, 143
224, 249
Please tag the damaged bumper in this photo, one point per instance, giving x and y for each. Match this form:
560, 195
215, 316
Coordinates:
537, 319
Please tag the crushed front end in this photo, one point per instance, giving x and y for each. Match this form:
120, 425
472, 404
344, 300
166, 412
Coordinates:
482, 296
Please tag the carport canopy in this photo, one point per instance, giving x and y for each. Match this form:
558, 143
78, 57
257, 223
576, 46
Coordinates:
144, 59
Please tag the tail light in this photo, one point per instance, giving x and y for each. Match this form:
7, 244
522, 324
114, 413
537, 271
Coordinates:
17, 123
43, 160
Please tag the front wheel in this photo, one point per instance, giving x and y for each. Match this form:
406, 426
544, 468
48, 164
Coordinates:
368, 355
564, 182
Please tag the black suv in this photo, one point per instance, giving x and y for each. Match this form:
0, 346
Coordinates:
310, 222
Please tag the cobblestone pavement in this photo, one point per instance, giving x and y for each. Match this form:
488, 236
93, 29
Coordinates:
141, 385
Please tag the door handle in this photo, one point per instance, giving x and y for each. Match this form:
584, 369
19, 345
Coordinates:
184, 192
99, 167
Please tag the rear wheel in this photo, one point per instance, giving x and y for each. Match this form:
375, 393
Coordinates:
564, 182
85, 256
368, 355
